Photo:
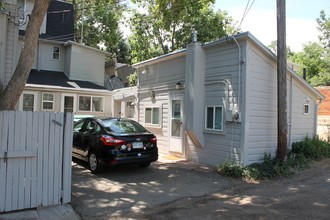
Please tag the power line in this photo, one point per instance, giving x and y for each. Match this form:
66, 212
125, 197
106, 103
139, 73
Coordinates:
246, 11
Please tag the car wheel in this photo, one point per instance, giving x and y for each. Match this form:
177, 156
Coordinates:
93, 162
144, 165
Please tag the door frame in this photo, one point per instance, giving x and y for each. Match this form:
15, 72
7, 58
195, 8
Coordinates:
74, 101
180, 140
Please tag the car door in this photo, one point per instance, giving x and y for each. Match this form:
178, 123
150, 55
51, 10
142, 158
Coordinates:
78, 130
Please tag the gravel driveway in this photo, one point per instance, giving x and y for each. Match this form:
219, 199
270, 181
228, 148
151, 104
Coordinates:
188, 191
129, 190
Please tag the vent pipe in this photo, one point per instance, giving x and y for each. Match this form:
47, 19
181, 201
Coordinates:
304, 73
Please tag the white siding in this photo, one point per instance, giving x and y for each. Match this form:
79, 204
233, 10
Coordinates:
45, 57
221, 67
161, 78
261, 106
87, 64
302, 124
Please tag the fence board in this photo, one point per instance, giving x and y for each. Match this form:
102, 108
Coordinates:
35, 159
67, 158
3, 147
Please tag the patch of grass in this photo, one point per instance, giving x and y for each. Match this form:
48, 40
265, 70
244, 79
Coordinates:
299, 157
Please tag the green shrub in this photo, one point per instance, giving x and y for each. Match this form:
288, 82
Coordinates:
298, 158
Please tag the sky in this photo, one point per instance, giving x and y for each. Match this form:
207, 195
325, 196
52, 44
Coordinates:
301, 15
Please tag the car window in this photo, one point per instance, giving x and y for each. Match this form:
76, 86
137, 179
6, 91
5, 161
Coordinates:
123, 126
78, 126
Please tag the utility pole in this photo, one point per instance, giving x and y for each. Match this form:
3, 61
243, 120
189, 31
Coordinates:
282, 127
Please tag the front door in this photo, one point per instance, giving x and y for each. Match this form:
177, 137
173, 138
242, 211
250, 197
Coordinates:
68, 103
176, 128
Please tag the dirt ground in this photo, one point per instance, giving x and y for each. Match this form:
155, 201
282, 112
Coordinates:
305, 195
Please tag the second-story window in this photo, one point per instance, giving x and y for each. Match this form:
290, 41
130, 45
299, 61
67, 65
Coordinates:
56, 53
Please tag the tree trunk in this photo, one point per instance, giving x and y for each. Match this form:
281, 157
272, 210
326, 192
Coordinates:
10, 96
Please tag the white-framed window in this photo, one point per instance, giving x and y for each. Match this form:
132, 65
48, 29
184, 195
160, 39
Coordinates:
28, 102
47, 101
56, 53
91, 103
306, 109
152, 116
214, 118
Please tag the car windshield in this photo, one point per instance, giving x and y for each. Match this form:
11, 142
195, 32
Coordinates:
120, 126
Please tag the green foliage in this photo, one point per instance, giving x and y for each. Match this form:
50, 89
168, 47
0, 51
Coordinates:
164, 26
324, 27
132, 79
298, 158
97, 23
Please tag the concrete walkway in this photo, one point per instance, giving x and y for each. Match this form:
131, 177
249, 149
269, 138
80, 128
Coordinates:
60, 212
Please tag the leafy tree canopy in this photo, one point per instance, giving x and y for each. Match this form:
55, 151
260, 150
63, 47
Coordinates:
324, 27
315, 56
164, 26
97, 25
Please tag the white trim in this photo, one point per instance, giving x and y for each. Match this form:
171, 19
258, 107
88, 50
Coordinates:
308, 109
47, 101
91, 103
54, 52
35, 100
159, 125
63, 95
222, 119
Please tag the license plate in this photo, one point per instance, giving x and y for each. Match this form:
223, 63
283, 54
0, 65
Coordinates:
137, 145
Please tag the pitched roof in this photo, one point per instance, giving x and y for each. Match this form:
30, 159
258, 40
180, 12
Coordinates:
52, 78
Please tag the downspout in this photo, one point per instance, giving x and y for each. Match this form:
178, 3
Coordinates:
316, 116
239, 76
290, 113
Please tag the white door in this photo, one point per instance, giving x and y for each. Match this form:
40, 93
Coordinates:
176, 127
69, 103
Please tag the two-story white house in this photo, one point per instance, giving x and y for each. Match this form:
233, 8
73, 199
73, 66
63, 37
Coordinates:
65, 76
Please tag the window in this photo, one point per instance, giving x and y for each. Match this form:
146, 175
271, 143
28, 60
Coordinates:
306, 109
214, 118
28, 102
47, 101
56, 53
89, 103
152, 116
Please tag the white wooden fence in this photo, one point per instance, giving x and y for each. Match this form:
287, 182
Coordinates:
35, 159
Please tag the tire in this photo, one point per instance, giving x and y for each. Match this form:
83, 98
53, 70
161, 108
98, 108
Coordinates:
144, 165
93, 162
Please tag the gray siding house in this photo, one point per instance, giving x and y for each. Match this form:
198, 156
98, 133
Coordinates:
217, 101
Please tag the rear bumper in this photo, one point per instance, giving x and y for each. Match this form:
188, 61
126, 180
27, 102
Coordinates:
131, 158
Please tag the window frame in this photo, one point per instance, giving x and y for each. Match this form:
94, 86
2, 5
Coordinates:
159, 125
47, 101
91, 103
308, 108
35, 100
213, 129
56, 53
